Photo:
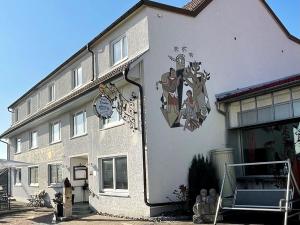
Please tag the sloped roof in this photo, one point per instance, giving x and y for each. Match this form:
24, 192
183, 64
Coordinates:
193, 8
194, 4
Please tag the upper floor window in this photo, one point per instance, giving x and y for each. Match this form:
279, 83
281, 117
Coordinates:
33, 139
119, 49
77, 77
55, 173
29, 106
33, 176
113, 120
16, 114
18, 145
18, 176
55, 135
79, 123
51, 92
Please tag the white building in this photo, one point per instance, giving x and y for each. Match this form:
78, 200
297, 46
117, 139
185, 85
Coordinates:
240, 43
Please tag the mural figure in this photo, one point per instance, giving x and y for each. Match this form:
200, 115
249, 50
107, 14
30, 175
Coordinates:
191, 80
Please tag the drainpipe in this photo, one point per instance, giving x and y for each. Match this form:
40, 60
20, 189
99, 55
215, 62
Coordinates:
9, 170
93, 61
125, 73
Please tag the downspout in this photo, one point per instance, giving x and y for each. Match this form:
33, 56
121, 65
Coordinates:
93, 61
125, 73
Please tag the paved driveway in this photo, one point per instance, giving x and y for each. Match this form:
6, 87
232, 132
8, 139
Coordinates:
43, 217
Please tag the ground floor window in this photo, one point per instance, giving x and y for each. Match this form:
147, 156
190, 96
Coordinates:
271, 143
114, 173
33, 175
55, 173
18, 176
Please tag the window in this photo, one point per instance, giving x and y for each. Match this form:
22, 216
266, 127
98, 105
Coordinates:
16, 115
114, 173
18, 176
77, 77
33, 139
18, 145
55, 135
55, 173
51, 90
33, 176
28, 106
271, 143
115, 117
79, 123
119, 49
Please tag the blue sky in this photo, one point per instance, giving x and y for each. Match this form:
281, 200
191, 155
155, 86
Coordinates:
37, 36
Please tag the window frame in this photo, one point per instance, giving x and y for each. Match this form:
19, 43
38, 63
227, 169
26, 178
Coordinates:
31, 139
74, 132
114, 190
49, 174
18, 149
29, 106
16, 115
124, 56
19, 183
51, 92
51, 132
75, 79
29, 176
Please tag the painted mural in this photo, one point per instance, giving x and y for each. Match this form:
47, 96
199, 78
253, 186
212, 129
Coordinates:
184, 99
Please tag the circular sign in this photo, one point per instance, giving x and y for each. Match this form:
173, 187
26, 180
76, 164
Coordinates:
103, 107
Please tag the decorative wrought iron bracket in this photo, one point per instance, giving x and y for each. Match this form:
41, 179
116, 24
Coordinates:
127, 108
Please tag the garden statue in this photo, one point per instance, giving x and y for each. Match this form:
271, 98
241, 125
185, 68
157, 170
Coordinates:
212, 200
67, 198
205, 207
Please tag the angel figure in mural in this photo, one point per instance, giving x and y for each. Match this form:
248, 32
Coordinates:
170, 82
199, 88
189, 113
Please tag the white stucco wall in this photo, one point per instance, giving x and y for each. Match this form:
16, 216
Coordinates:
254, 57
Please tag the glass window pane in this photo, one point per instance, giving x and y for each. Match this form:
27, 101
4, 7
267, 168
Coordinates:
296, 106
107, 173
265, 114
55, 132
121, 173
125, 47
296, 93
79, 123
281, 96
234, 114
264, 100
117, 54
282, 111
59, 173
79, 76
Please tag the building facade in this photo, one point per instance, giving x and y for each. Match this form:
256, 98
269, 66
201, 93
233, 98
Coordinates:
176, 67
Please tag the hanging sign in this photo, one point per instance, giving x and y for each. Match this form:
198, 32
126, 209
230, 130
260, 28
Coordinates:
104, 107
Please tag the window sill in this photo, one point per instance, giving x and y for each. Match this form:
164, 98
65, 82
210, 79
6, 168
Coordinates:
33, 148
119, 62
112, 125
124, 194
33, 185
55, 142
78, 136
58, 185
17, 153
18, 185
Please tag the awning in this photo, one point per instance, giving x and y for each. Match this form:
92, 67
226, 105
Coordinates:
258, 89
4, 164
